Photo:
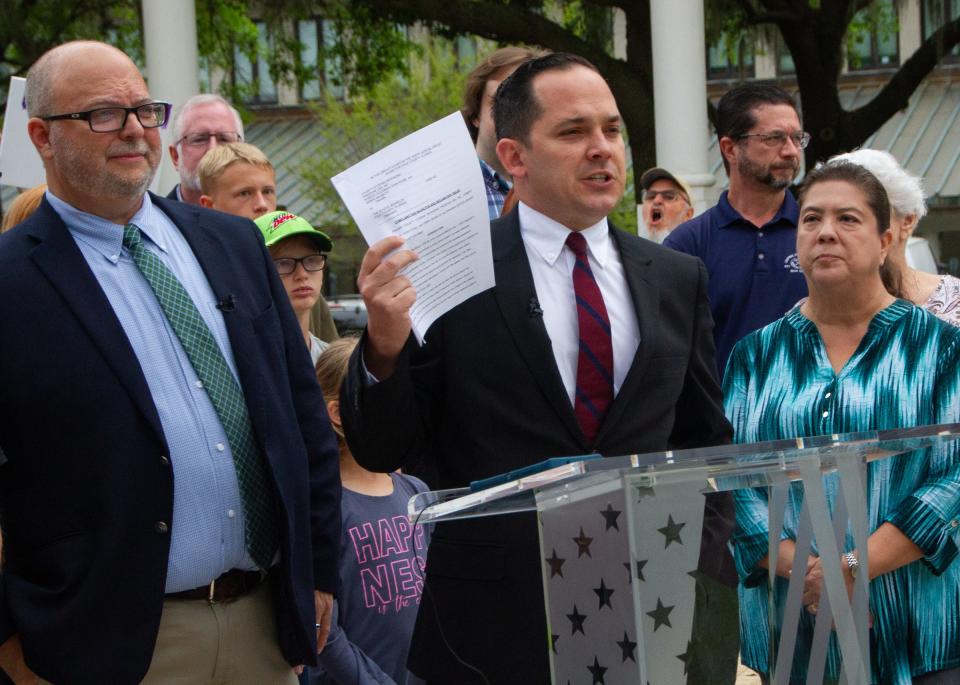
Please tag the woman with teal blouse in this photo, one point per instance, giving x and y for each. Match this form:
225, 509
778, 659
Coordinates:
855, 358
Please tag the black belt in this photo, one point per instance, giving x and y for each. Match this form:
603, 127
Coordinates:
230, 586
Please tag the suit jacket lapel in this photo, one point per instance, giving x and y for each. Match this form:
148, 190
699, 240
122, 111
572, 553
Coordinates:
60, 260
646, 300
517, 297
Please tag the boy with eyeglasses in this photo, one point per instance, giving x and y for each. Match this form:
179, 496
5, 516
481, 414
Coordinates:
299, 252
237, 178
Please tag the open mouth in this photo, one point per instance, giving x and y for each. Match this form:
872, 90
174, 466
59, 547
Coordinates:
600, 177
656, 215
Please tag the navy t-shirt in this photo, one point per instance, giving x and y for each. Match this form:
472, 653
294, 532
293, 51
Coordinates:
755, 276
382, 563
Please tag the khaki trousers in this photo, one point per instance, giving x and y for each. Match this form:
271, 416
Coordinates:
232, 643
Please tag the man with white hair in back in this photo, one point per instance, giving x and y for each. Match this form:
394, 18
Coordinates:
201, 123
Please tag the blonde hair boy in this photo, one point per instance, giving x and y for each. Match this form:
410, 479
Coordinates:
237, 178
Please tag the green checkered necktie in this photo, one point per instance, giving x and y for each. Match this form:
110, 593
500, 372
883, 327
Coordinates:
259, 516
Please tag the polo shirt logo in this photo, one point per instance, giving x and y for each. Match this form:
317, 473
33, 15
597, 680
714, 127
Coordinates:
792, 264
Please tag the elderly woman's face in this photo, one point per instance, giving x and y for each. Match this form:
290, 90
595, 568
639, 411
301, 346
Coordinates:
837, 238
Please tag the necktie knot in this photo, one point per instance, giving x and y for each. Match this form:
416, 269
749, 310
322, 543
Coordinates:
131, 236
577, 243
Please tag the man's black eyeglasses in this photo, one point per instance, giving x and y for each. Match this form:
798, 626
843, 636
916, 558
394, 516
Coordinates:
110, 119
287, 265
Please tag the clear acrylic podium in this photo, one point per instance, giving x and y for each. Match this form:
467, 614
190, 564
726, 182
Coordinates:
620, 542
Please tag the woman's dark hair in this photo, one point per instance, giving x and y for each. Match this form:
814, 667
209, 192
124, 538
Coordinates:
877, 201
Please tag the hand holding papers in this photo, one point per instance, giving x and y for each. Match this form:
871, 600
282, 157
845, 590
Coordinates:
427, 188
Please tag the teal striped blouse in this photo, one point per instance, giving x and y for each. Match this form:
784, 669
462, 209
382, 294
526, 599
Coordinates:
905, 372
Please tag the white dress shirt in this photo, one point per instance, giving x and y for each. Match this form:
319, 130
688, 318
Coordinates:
552, 262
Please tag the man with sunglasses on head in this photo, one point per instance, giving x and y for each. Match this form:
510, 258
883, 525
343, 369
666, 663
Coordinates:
666, 203
748, 240
202, 122
169, 488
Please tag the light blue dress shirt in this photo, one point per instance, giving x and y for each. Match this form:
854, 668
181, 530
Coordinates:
207, 530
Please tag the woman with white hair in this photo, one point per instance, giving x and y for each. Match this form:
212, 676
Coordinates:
938, 294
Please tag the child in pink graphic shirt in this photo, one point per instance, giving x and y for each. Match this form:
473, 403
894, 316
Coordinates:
382, 560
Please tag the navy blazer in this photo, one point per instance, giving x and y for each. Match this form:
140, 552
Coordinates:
87, 482
484, 396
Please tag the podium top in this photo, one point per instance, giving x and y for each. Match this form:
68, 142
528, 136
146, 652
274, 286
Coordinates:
725, 467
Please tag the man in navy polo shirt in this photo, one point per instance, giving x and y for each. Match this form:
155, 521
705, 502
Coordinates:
748, 240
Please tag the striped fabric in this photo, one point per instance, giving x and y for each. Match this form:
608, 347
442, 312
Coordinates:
595, 361
779, 384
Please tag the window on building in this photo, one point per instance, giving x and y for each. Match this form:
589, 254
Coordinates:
874, 43
785, 65
730, 57
936, 13
315, 35
253, 75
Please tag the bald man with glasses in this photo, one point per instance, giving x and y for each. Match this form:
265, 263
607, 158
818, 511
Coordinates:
169, 481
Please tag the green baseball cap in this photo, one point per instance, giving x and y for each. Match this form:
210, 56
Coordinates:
277, 226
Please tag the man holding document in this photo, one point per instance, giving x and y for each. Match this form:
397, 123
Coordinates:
591, 340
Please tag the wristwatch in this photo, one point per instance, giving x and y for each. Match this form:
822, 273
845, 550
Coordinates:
853, 564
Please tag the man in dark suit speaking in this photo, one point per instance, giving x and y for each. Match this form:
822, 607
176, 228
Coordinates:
170, 492
591, 340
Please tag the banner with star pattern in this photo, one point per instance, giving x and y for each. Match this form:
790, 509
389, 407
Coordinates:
618, 559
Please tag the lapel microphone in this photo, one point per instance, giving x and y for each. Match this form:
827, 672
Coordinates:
533, 308
226, 304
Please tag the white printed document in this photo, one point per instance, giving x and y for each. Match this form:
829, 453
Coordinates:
428, 188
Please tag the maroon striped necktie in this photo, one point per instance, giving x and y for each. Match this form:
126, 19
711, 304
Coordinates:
595, 362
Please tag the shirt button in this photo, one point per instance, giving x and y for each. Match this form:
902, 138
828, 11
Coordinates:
231, 513
161, 527
759, 234
828, 395
954, 523
826, 414
199, 384
220, 447
760, 256
164, 460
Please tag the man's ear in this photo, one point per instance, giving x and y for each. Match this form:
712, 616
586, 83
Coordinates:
333, 411
512, 156
687, 215
206, 201
174, 157
727, 149
39, 132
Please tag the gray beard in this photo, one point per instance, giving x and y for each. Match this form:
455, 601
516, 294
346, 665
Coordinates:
763, 175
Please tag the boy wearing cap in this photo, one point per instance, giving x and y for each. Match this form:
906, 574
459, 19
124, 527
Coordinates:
237, 178
299, 252
666, 203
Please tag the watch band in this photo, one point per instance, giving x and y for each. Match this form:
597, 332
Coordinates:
853, 564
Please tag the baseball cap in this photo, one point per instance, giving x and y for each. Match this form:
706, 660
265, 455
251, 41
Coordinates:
277, 226
651, 176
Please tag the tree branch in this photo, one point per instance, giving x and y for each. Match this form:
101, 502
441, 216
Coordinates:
896, 94
507, 23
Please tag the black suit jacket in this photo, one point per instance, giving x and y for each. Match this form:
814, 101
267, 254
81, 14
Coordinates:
484, 396
87, 479
172, 195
